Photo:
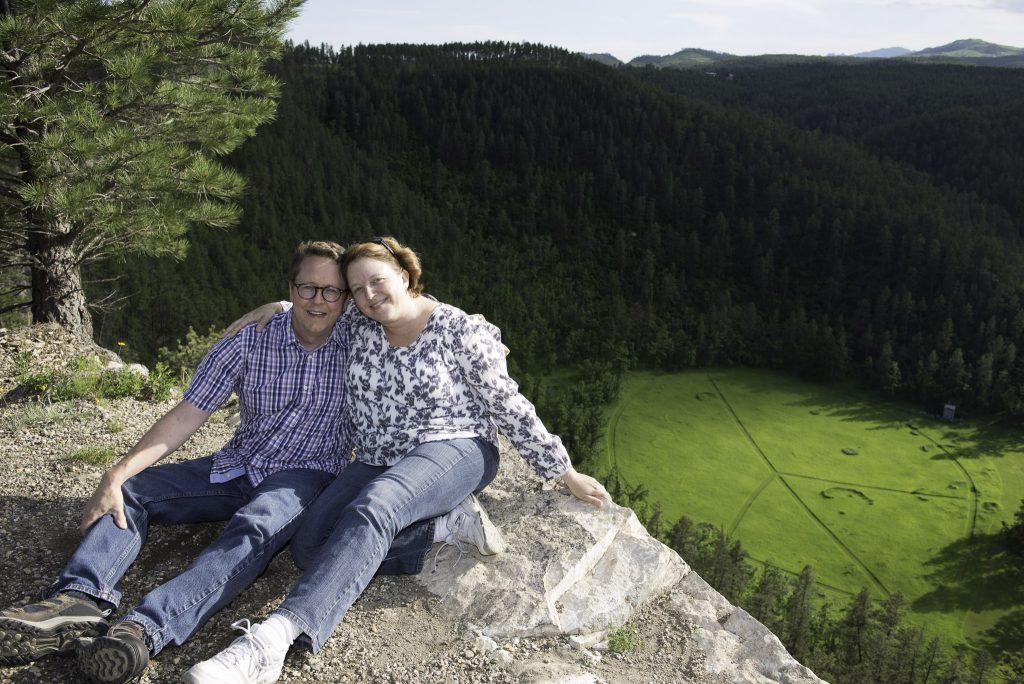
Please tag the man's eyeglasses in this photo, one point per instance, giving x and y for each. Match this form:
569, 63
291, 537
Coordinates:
307, 291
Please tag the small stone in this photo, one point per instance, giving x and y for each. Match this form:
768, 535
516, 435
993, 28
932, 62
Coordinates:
501, 657
584, 641
485, 644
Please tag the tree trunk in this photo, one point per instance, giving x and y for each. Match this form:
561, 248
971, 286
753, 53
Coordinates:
57, 295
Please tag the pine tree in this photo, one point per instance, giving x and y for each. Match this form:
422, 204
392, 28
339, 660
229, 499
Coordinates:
797, 626
1014, 534
112, 114
768, 598
682, 538
854, 627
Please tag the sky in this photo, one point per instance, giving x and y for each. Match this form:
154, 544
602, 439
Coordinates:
629, 28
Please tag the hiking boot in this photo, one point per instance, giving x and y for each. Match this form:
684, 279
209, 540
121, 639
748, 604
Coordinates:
47, 628
248, 660
119, 657
468, 523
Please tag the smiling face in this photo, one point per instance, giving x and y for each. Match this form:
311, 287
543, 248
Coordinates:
380, 290
313, 319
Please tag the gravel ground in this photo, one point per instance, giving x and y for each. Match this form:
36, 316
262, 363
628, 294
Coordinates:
396, 632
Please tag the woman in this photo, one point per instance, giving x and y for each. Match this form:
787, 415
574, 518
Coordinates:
427, 385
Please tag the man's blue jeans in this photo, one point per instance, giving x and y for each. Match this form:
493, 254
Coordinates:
261, 521
430, 480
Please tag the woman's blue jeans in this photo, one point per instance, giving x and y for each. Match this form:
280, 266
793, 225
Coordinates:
408, 550
429, 481
261, 521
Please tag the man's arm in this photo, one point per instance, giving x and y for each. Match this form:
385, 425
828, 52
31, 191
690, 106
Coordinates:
166, 435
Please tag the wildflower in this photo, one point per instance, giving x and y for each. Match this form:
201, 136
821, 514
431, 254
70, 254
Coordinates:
120, 344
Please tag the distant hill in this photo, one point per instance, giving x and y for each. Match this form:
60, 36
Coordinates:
884, 53
970, 47
686, 58
603, 58
967, 51
972, 51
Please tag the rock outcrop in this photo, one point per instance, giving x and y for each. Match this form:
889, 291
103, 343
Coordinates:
572, 569
540, 613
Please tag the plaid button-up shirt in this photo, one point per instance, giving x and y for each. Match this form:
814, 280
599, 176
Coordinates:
293, 412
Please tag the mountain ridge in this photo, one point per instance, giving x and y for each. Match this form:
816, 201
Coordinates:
965, 50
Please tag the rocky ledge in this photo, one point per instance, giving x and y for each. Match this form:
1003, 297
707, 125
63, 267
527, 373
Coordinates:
540, 612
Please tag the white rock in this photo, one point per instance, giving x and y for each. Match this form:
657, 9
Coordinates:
583, 641
735, 645
586, 678
138, 368
501, 656
580, 570
484, 644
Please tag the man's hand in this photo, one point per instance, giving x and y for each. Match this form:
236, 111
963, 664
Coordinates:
106, 499
166, 435
260, 316
586, 488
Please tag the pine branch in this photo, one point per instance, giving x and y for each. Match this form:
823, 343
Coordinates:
16, 306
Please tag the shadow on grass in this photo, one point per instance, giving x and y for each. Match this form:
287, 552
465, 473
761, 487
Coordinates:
979, 574
993, 436
1007, 635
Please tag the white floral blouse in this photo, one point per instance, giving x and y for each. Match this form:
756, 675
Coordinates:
450, 383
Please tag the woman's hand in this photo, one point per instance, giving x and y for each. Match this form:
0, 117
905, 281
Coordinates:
260, 316
586, 488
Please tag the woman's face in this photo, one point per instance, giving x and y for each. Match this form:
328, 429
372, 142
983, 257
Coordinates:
378, 288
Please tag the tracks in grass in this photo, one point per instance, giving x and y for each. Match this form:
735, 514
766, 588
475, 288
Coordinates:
777, 476
613, 429
916, 492
972, 494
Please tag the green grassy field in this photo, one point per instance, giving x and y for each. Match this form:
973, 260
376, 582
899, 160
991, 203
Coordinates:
871, 493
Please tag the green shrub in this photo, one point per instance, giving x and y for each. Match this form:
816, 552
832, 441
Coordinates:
183, 359
624, 639
93, 455
36, 413
159, 384
85, 378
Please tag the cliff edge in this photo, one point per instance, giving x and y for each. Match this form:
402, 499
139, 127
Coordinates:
541, 612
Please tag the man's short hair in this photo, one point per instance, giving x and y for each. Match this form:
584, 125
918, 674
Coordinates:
320, 248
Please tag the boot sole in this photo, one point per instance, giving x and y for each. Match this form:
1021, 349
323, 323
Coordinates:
24, 642
109, 660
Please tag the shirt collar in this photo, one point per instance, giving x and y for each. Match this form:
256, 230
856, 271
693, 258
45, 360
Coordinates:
286, 334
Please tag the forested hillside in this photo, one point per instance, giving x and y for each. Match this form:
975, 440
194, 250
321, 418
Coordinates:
960, 125
608, 215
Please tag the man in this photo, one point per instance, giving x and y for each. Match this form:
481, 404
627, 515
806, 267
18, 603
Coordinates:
291, 442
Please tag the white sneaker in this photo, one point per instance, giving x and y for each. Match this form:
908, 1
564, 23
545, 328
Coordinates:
246, 661
468, 523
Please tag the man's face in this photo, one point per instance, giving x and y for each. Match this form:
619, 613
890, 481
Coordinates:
313, 319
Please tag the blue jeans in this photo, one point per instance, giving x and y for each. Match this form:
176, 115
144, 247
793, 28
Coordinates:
261, 521
408, 550
430, 480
